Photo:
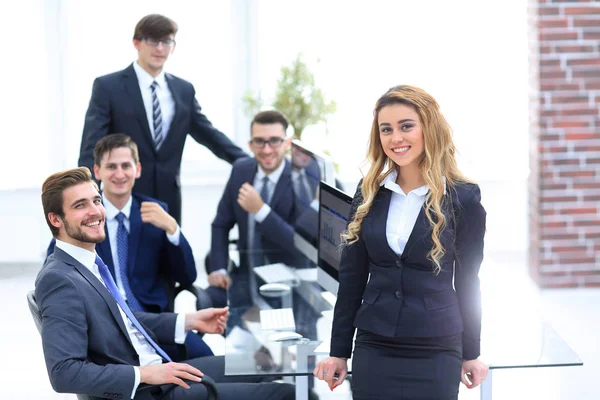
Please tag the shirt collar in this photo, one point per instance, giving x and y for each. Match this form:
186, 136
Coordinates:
390, 183
112, 210
273, 176
145, 79
85, 257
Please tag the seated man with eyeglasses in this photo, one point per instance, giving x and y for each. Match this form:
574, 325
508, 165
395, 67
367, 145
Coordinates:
157, 110
259, 199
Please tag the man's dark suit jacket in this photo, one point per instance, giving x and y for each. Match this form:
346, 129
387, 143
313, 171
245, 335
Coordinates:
116, 106
403, 297
153, 259
276, 231
85, 341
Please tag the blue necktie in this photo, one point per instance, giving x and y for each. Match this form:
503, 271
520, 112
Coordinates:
112, 288
259, 252
123, 253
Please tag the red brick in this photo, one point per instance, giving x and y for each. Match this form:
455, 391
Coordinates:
595, 185
550, 63
588, 35
586, 148
553, 74
585, 223
583, 210
557, 36
586, 73
558, 198
582, 10
591, 284
591, 198
573, 236
563, 161
591, 84
554, 186
580, 136
577, 174
559, 85
553, 23
572, 48
586, 22
554, 225
548, 10
577, 112
584, 61
571, 124
560, 99
591, 261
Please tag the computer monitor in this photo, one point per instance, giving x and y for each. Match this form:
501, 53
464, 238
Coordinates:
309, 168
334, 211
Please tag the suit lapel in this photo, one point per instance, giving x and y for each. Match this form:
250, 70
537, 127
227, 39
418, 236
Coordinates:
97, 285
132, 87
283, 185
380, 210
177, 100
418, 233
135, 232
246, 175
104, 251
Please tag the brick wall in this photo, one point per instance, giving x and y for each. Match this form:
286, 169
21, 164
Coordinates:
564, 189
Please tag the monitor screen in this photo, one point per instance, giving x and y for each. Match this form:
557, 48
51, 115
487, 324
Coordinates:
309, 168
334, 211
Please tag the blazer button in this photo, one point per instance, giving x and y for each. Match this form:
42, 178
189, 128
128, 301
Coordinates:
398, 294
399, 264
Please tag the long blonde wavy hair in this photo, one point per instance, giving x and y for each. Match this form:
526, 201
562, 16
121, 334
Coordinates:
438, 161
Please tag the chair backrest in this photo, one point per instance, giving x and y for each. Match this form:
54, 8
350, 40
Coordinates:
35, 311
37, 318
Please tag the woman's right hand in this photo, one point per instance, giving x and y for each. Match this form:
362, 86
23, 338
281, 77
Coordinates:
332, 370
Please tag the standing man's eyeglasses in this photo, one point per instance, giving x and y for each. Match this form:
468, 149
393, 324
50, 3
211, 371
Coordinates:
154, 43
274, 142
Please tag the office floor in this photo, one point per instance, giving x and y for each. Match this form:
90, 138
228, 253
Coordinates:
573, 314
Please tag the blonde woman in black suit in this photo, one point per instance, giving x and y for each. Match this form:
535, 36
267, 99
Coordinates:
416, 226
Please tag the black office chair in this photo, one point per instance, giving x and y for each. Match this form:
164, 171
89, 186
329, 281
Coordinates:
230, 264
207, 381
174, 288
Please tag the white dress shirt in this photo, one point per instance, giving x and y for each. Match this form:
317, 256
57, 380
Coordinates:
145, 351
165, 98
112, 225
403, 212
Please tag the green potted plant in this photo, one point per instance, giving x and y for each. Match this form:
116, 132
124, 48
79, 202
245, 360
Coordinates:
297, 97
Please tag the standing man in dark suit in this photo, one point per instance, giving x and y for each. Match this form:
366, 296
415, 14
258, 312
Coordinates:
145, 250
93, 343
157, 110
258, 198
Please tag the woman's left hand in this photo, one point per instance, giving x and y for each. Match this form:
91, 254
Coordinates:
473, 373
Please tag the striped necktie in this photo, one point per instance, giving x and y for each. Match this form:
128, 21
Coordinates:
156, 117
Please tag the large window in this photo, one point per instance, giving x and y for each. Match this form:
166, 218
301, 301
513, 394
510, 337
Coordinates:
54, 49
472, 62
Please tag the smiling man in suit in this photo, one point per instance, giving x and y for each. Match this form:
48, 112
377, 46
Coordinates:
157, 110
145, 249
258, 198
93, 342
